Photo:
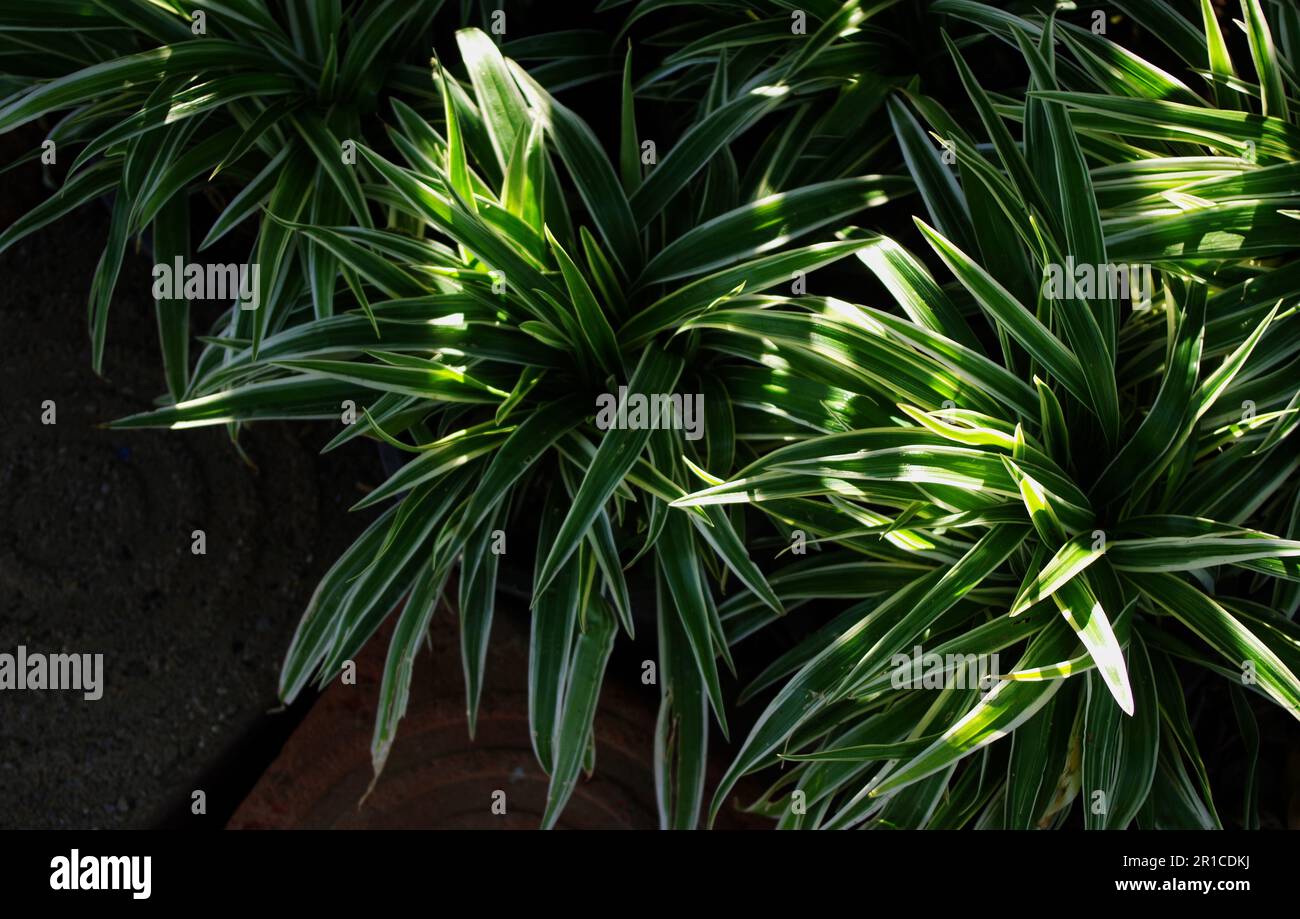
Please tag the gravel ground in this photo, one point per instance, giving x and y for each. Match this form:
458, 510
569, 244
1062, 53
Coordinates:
95, 553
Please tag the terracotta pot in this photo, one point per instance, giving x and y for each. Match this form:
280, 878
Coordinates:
436, 777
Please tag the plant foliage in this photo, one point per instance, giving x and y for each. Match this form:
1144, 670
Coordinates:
1088, 474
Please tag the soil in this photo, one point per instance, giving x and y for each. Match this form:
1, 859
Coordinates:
95, 552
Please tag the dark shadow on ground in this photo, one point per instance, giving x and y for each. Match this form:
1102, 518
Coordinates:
95, 552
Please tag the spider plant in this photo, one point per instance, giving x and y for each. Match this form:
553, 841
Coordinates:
1102, 490
503, 300
246, 100
856, 52
1098, 486
749, 34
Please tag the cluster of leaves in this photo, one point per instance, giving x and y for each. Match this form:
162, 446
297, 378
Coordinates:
153, 96
982, 468
1098, 492
487, 326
